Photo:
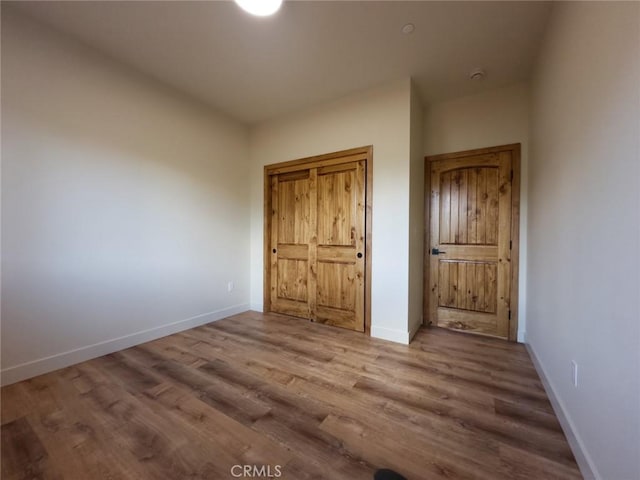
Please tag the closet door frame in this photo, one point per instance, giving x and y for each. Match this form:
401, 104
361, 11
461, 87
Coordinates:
344, 156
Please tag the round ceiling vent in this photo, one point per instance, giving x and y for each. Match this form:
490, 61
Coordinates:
477, 74
408, 28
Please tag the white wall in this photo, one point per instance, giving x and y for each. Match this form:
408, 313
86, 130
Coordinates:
125, 207
416, 214
378, 117
488, 119
584, 231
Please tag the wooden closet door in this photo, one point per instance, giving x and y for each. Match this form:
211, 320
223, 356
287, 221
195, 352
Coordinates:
292, 230
340, 245
317, 244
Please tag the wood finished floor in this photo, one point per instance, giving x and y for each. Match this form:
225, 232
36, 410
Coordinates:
271, 390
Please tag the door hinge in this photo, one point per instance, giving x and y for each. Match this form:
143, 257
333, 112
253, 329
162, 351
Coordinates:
512, 175
509, 314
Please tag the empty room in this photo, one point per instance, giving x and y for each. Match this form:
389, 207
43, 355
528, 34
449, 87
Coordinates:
346, 240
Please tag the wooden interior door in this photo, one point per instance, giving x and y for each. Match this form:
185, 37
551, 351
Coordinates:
318, 241
471, 240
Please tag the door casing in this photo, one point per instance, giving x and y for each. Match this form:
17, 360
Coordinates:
335, 158
515, 227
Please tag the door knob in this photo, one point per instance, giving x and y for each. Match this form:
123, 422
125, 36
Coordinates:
359, 254
274, 250
435, 251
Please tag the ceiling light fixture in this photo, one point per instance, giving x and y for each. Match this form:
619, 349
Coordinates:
408, 28
261, 8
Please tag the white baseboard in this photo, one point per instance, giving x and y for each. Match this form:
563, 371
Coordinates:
413, 331
391, 334
584, 460
256, 306
60, 360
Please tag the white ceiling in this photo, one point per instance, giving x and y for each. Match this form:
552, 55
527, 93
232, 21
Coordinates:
255, 68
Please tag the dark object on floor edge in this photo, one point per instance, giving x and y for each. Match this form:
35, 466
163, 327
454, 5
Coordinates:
386, 474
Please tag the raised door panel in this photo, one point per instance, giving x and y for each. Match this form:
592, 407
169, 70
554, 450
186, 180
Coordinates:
469, 206
468, 286
336, 285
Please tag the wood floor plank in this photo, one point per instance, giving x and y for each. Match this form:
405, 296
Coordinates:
500, 429
23, 455
83, 445
270, 390
402, 456
522, 465
276, 360
233, 442
482, 381
215, 392
157, 442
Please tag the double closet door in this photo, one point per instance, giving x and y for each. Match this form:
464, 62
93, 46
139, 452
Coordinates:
317, 241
